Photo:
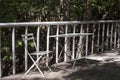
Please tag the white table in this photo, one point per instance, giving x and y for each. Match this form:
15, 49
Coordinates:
71, 35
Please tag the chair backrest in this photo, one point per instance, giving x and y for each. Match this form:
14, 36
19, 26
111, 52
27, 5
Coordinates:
29, 37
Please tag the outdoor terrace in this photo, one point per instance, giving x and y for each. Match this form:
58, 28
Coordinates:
96, 48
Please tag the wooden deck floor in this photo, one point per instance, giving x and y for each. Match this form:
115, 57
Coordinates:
101, 67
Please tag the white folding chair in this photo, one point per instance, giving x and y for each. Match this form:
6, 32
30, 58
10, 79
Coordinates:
40, 54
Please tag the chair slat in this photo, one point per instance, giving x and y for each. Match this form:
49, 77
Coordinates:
30, 38
27, 35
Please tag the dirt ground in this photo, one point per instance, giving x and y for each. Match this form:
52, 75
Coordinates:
95, 67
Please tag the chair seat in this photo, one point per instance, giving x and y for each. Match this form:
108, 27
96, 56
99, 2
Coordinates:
40, 53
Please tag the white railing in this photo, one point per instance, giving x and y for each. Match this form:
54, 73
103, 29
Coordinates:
105, 36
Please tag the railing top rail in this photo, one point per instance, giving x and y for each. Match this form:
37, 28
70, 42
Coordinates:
15, 24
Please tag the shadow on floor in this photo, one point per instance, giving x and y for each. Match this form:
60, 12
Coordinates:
108, 71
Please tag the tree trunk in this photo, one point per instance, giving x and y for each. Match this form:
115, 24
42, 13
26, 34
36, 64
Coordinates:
64, 10
64, 16
88, 13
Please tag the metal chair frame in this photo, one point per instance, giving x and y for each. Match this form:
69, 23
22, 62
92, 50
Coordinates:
40, 54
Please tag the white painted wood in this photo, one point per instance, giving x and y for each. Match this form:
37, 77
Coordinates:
38, 40
0, 56
65, 49
111, 37
73, 42
87, 40
118, 44
103, 34
107, 38
98, 39
48, 33
80, 38
71, 35
57, 40
92, 48
18, 24
80, 44
115, 35
13, 50
26, 48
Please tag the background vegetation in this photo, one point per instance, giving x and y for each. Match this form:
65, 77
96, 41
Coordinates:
49, 10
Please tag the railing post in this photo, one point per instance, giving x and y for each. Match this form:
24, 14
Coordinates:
103, 34
118, 31
13, 48
48, 33
87, 40
38, 39
111, 39
26, 47
80, 44
65, 53
92, 49
73, 48
115, 35
98, 39
57, 43
108, 27
0, 56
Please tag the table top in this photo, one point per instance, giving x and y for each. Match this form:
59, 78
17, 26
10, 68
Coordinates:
72, 35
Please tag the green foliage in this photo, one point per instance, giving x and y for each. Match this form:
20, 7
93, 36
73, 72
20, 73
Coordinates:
7, 58
29, 10
26, 10
48, 10
18, 43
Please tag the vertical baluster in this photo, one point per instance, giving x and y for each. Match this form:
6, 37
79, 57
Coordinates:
38, 39
103, 34
87, 40
73, 48
48, 33
65, 55
111, 39
80, 44
13, 49
57, 33
115, 35
0, 56
98, 40
107, 38
26, 47
118, 27
92, 49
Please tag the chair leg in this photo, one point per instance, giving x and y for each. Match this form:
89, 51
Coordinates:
74, 64
87, 62
29, 70
34, 64
48, 67
39, 70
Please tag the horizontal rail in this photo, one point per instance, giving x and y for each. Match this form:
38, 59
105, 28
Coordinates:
18, 24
